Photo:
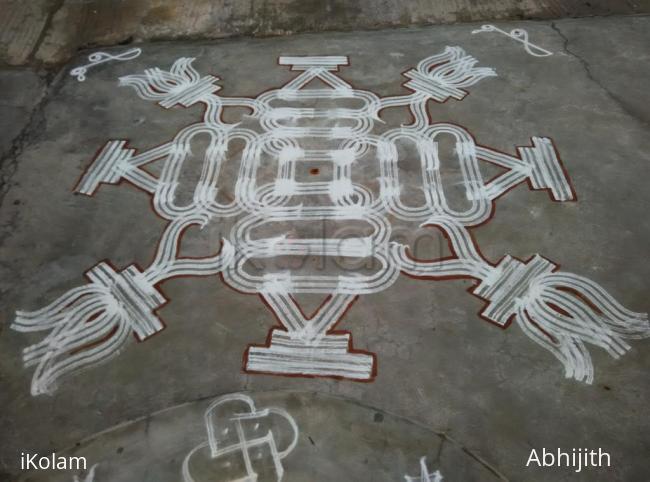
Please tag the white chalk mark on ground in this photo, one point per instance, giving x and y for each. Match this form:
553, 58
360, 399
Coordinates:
520, 35
559, 311
102, 57
242, 441
425, 476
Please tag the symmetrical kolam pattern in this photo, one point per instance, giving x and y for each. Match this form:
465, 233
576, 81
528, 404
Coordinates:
243, 443
559, 311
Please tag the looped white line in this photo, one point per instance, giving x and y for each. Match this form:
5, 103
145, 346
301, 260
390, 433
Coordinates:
520, 35
100, 58
233, 427
559, 311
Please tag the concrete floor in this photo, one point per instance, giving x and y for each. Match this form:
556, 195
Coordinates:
444, 375
377, 446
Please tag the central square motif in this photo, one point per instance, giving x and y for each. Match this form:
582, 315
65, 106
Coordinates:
316, 180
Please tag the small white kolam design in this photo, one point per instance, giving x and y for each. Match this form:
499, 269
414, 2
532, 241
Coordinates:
100, 58
235, 433
561, 312
519, 35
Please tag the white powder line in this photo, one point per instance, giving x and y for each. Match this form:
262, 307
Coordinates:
520, 35
561, 312
100, 58
233, 427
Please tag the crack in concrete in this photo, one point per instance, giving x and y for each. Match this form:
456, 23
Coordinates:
52, 80
9, 160
45, 30
8, 227
481, 461
443, 440
590, 75
444, 436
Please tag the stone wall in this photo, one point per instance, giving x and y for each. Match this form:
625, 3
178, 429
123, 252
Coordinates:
50, 31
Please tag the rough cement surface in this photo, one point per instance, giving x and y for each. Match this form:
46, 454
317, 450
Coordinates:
440, 366
377, 445
20, 92
50, 31
22, 25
